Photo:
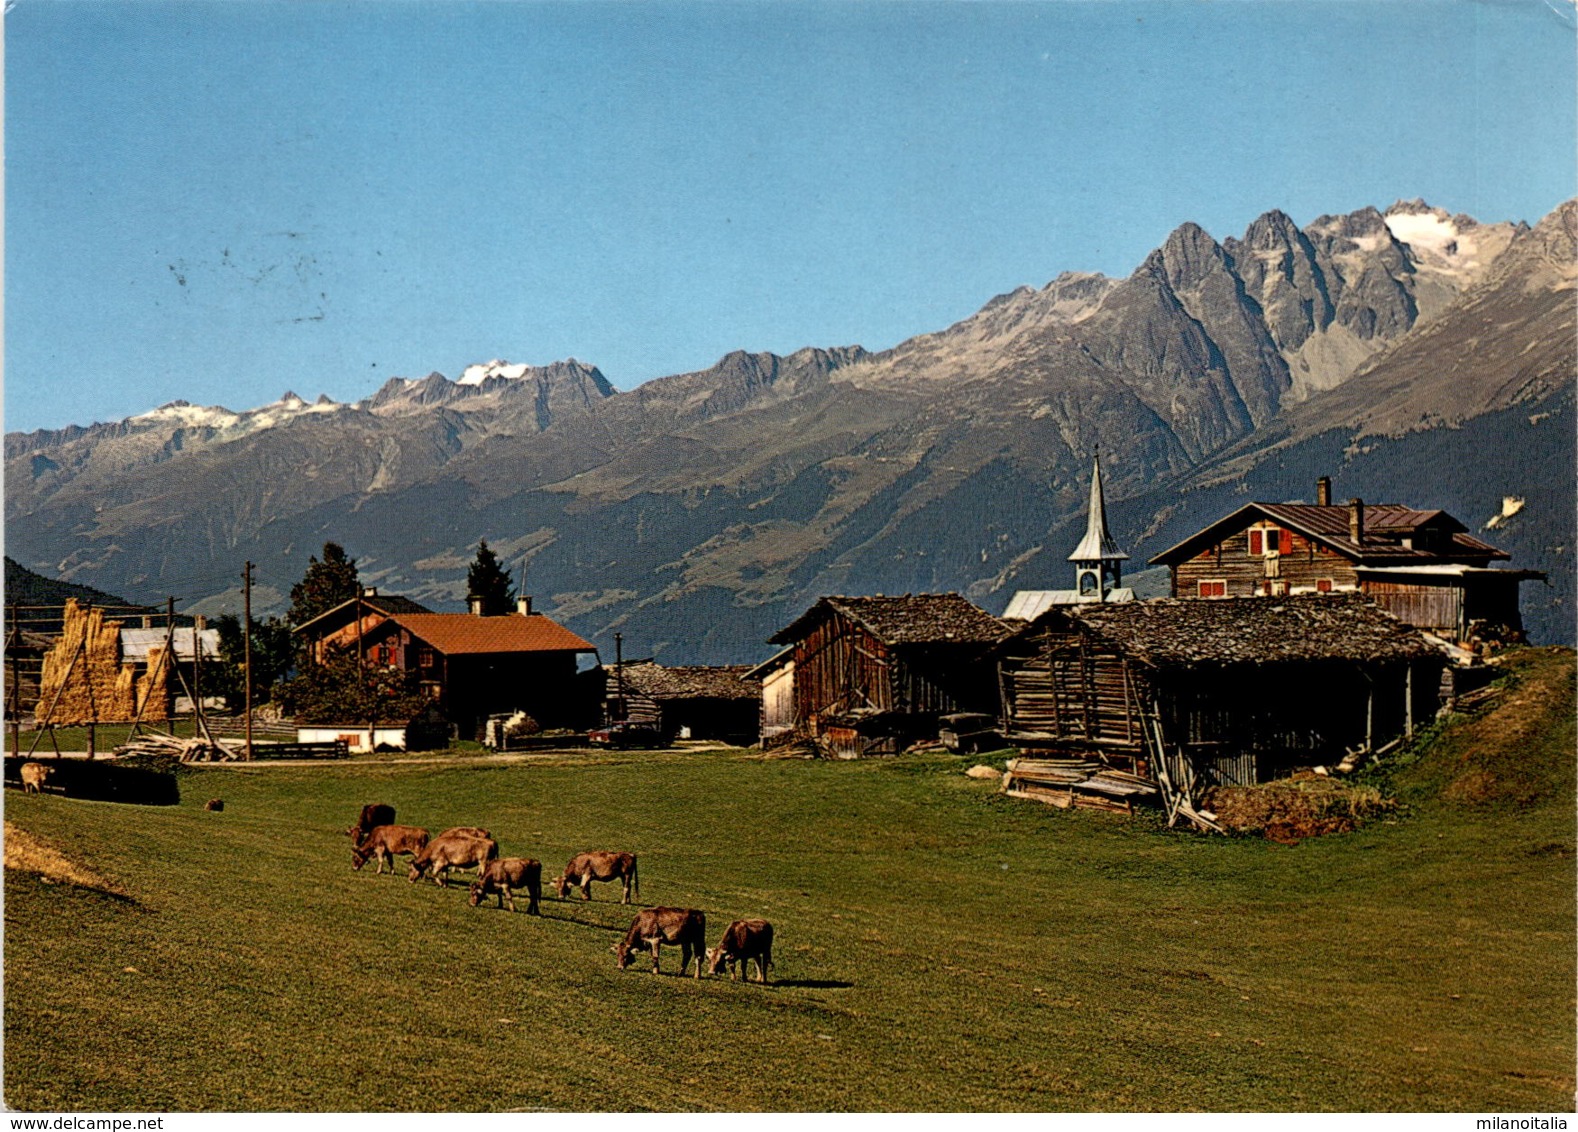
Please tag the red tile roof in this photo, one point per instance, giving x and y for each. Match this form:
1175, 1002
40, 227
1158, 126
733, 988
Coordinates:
455, 634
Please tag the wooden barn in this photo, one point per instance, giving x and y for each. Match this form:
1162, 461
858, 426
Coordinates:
873, 674
1193, 694
686, 702
1422, 566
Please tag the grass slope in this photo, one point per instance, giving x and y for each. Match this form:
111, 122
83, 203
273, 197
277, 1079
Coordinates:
939, 947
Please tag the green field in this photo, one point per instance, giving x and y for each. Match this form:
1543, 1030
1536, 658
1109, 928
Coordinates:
939, 946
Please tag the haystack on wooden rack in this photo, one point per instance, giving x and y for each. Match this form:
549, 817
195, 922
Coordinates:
85, 681
95, 671
1192, 694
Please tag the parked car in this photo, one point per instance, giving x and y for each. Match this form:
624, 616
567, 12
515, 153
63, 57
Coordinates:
625, 735
967, 733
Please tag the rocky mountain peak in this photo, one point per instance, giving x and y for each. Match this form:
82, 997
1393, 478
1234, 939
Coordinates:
1267, 232
1189, 255
1360, 225
1415, 207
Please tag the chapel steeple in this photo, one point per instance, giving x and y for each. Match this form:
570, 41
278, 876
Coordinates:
1097, 560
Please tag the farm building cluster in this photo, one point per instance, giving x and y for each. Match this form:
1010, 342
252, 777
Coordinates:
1296, 635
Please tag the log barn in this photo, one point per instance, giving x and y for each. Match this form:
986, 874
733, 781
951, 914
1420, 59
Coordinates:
873, 674
1202, 693
686, 702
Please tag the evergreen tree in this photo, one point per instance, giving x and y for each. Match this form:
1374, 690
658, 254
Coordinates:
341, 691
325, 585
493, 584
271, 660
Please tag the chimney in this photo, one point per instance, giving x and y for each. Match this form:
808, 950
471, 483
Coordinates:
1323, 492
1356, 521
474, 604
523, 606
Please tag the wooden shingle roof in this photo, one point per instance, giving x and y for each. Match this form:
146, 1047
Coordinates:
905, 619
1170, 632
685, 682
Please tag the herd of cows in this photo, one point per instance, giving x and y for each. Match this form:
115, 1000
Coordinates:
375, 836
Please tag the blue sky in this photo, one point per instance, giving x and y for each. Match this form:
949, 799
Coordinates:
221, 201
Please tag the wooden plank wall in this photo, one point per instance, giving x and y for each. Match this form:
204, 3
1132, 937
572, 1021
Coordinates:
839, 666
1436, 608
1300, 562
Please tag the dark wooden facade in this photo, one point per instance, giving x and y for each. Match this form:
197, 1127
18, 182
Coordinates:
873, 674
1229, 693
1230, 568
1421, 566
474, 666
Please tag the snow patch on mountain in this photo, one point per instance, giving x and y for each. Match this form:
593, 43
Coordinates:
183, 414
1425, 231
498, 367
187, 415
1457, 247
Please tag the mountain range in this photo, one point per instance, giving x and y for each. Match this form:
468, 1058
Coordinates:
1415, 356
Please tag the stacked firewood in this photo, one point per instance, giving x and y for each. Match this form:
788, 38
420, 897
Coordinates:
1065, 782
196, 750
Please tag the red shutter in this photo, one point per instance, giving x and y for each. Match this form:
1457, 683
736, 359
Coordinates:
1287, 542
1254, 542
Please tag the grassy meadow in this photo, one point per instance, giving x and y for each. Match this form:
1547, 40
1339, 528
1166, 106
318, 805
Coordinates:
939, 947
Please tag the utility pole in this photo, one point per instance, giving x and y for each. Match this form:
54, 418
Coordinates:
13, 649
198, 624
619, 674
246, 650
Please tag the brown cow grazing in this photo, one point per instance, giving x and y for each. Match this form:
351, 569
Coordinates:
504, 875
452, 850
374, 814
743, 941
467, 831
214, 805
657, 926
584, 868
34, 775
386, 842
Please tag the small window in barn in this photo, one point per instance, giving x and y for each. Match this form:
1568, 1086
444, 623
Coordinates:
385, 654
425, 658
1215, 588
1323, 585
